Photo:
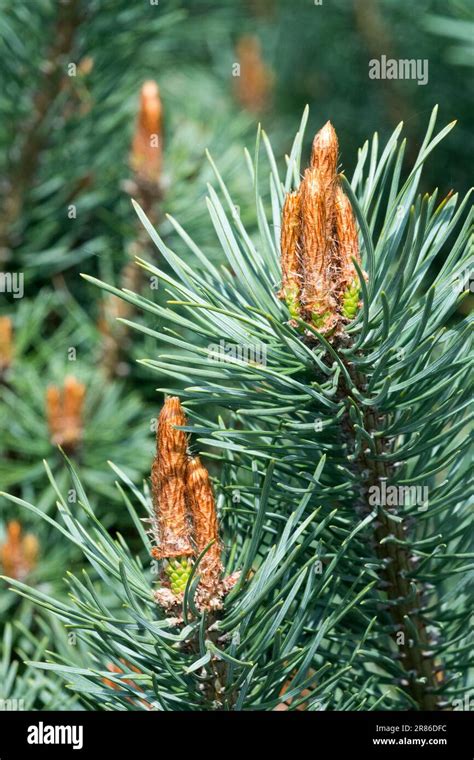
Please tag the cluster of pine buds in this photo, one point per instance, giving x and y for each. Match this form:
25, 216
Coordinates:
185, 520
64, 411
318, 242
19, 553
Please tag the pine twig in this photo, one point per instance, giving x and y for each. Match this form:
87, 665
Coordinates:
22, 173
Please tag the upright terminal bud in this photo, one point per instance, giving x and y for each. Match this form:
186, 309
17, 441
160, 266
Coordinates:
347, 249
324, 166
19, 554
317, 245
64, 411
328, 291
206, 530
290, 253
325, 151
168, 483
6, 343
146, 156
253, 85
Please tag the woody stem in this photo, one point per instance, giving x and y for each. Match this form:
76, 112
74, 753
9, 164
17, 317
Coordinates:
404, 594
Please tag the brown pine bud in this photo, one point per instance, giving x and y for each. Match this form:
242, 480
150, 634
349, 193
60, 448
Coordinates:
53, 411
253, 85
6, 343
347, 240
348, 285
321, 248
146, 155
19, 554
201, 504
64, 412
86, 65
168, 483
323, 165
30, 547
206, 529
317, 213
290, 253
73, 399
324, 154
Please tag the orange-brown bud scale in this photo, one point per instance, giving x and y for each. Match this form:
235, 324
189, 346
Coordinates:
317, 243
64, 411
347, 241
203, 510
324, 154
53, 410
19, 553
6, 343
168, 483
146, 155
291, 264
73, 399
321, 179
112, 668
253, 85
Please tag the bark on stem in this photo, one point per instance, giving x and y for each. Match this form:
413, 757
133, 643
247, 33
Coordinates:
416, 658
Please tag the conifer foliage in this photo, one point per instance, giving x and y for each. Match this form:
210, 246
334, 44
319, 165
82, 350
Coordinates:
304, 542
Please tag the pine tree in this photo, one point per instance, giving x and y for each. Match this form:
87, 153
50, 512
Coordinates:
69, 106
322, 384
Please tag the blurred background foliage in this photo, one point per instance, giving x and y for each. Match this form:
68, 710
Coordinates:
70, 76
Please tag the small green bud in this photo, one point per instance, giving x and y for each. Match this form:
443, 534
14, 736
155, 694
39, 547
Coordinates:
350, 300
320, 320
178, 570
292, 301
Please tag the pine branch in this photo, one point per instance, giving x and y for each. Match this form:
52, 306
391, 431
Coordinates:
382, 397
238, 659
22, 173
